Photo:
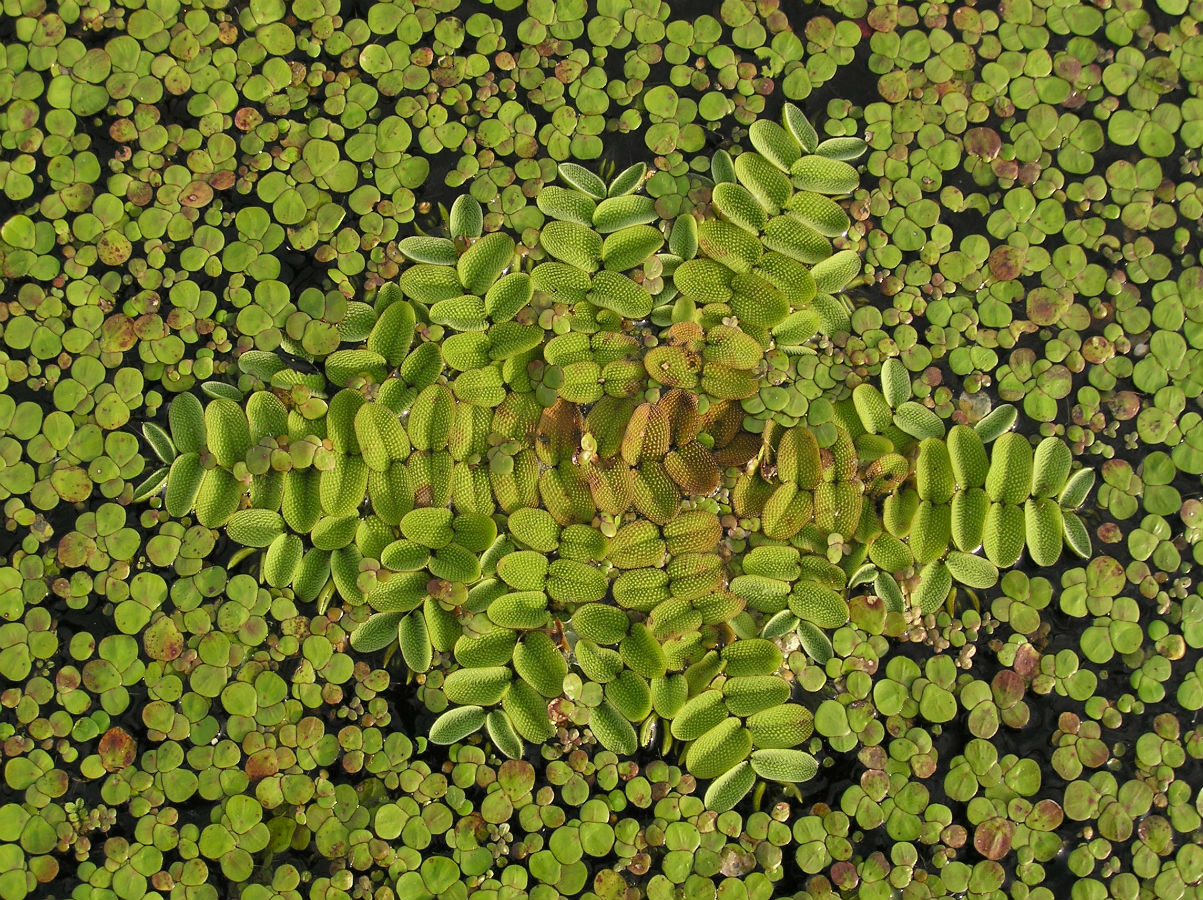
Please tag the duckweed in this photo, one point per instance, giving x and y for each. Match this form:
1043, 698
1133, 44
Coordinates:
530, 448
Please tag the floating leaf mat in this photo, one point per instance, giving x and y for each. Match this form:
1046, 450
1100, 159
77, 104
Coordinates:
536, 448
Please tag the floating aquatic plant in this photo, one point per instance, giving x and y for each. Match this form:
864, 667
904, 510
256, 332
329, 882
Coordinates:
510, 447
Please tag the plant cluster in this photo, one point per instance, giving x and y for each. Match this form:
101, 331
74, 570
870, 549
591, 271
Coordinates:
524, 449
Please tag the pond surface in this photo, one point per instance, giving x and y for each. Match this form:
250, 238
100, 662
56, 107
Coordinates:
610, 449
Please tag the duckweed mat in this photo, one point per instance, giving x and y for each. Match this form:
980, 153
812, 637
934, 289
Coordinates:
541, 449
